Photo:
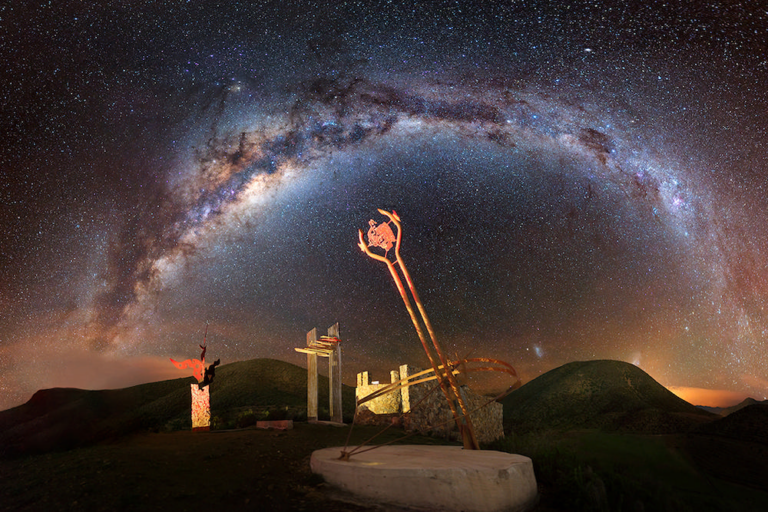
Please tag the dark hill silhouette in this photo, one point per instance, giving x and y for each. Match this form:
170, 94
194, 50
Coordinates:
64, 418
713, 410
725, 411
748, 423
611, 395
745, 403
734, 448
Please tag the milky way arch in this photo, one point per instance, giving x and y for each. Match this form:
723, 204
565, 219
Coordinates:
232, 168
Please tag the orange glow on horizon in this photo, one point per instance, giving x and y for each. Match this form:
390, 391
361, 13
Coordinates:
708, 397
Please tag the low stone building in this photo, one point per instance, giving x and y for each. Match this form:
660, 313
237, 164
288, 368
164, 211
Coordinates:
425, 412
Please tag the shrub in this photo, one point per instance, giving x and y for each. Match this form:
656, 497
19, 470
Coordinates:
245, 419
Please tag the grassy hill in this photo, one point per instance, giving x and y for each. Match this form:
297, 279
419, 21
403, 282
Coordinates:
610, 395
63, 418
603, 435
747, 424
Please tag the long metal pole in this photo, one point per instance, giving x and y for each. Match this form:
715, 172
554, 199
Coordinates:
444, 360
462, 421
448, 374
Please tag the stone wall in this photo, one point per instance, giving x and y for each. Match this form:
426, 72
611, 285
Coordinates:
385, 404
488, 420
425, 409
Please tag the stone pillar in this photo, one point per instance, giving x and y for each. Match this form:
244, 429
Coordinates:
405, 394
334, 377
334, 383
311, 379
201, 407
311, 387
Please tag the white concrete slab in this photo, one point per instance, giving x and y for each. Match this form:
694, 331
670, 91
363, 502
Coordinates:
433, 477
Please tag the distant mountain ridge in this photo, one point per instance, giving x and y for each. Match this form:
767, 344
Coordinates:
725, 411
605, 394
63, 418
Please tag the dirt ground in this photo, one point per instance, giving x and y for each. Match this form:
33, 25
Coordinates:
249, 469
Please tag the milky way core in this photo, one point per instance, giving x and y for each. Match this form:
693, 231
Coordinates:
571, 194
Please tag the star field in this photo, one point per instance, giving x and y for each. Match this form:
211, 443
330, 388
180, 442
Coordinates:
583, 181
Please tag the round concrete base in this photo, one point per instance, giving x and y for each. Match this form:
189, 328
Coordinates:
433, 477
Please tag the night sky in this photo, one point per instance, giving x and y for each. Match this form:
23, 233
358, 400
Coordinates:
577, 181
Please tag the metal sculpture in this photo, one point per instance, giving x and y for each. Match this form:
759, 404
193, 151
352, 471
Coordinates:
197, 365
201, 398
383, 236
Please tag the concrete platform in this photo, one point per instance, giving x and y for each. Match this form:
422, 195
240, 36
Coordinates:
433, 477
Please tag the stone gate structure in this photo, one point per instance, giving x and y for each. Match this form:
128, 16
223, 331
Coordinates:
432, 415
330, 347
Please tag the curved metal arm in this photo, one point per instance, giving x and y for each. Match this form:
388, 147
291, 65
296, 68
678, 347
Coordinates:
364, 247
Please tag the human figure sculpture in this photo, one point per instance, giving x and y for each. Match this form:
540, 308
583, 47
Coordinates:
210, 373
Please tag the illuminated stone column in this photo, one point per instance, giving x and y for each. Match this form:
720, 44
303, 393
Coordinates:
405, 393
201, 407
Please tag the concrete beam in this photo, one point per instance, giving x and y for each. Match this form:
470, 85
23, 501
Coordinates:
334, 377
311, 378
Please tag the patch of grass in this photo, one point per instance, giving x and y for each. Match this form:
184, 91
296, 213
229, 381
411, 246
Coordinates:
594, 470
243, 417
179, 423
560, 474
